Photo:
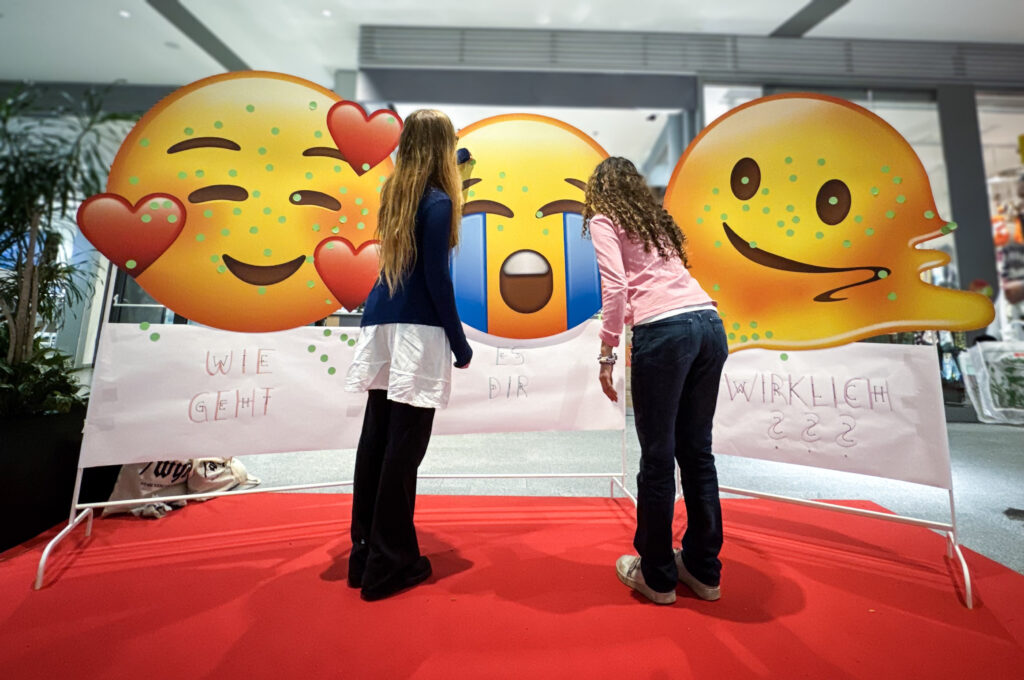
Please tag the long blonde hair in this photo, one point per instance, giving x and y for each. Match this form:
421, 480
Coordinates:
426, 156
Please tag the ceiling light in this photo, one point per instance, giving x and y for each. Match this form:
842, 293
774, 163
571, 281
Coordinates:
327, 13
125, 14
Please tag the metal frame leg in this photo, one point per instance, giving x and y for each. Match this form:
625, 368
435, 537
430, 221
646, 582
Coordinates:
41, 570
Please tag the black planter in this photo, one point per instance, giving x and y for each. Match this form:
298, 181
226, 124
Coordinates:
38, 460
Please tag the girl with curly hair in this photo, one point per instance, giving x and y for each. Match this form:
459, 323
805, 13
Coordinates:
679, 348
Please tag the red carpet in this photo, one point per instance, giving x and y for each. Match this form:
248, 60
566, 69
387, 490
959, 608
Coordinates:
254, 587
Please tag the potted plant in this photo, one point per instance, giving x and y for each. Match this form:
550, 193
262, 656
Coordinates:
50, 160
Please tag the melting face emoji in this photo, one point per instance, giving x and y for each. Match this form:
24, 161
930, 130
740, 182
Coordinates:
230, 204
523, 269
803, 213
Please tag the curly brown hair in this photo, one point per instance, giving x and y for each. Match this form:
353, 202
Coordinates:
618, 191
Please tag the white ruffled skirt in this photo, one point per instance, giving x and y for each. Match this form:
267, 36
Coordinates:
412, 362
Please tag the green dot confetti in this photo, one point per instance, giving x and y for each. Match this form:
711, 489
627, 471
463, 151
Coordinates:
144, 141
199, 173
725, 217
144, 326
715, 190
821, 161
344, 337
154, 336
768, 334
780, 223
207, 213
318, 135
262, 150
262, 290
218, 124
764, 192
796, 219
792, 178
282, 219
755, 336
343, 190
327, 333
897, 180
311, 349
274, 130
330, 245
746, 208
256, 194
133, 180
732, 336
335, 230
790, 232
545, 232
832, 200
351, 343
789, 159
707, 208
718, 244
189, 131
221, 269
869, 231
766, 210
310, 284
949, 227
891, 296
540, 214
312, 106
266, 211
309, 175
270, 167
753, 324
309, 260
236, 211
499, 188
364, 211
501, 227
743, 338
501, 175
819, 235
225, 232
332, 370
784, 356
929, 215
254, 230
250, 108
858, 219
885, 169
131, 264
883, 274
167, 205
366, 166
267, 252
874, 191
525, 189
890, 214
172, 218
716, 287
324, 358
901, 199
790, 208
735, 326
700, 220
753, 244
316, 227
343, 219
182, 175
232, 173
147, 218
847, 244
215, 258
360, 225
200, 237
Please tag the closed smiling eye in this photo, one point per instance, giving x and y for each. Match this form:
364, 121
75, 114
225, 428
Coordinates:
490, 207
563, 206
218, 192
317, 198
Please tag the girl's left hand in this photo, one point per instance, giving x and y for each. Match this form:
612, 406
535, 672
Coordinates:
607, 382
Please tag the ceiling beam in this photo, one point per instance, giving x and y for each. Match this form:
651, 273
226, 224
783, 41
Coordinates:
197, 32
810, 16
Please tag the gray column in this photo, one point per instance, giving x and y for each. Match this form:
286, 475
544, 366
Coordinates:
968, 192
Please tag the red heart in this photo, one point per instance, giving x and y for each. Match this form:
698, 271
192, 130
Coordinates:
363, 140
132, 237
348, 272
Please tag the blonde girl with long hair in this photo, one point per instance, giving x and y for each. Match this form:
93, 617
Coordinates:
403, 359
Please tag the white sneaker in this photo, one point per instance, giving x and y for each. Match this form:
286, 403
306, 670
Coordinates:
704, 592
628, 569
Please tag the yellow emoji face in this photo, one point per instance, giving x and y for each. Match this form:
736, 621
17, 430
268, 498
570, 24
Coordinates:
802, 213
249, 159
523, 269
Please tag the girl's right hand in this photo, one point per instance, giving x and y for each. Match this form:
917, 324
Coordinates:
465, 365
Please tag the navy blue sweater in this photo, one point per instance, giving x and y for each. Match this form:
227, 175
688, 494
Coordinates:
426, 295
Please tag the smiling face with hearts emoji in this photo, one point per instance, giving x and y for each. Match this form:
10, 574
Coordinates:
231, 204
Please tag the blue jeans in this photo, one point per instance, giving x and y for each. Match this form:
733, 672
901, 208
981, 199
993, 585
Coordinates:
677, 365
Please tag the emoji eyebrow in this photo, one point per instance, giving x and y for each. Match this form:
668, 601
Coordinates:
492, 207
324, 151
578, 183
467, 183
205, 142
562, 206
218, 192
317, 198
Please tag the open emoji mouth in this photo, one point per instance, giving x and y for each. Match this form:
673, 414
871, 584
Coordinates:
262, 275
767, 259
526, 281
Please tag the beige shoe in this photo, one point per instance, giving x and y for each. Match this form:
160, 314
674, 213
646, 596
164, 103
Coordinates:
628, 569
704, 592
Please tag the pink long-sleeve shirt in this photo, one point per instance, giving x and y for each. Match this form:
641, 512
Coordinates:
637, 285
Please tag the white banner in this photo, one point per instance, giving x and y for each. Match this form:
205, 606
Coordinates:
177, 392
870, 408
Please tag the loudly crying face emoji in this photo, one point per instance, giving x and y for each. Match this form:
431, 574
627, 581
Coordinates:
803, 213
231, 204
523, 270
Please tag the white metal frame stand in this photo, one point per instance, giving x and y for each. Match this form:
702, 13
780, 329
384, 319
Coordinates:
84, 512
